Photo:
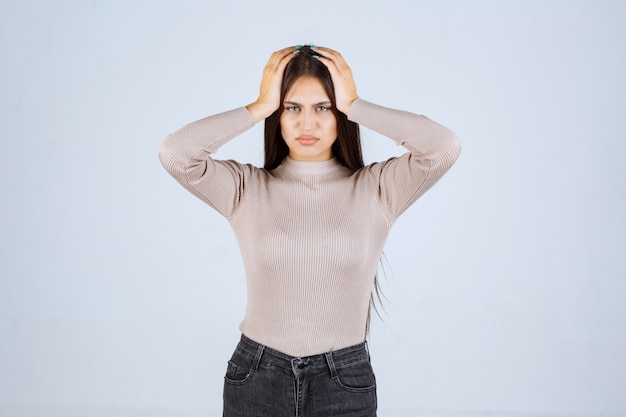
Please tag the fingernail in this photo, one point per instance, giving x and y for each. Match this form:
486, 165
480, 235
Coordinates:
314, 47
298, 46
297, 51
315, 56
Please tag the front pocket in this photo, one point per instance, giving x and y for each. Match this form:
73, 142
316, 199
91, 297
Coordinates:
239, 369
358, 377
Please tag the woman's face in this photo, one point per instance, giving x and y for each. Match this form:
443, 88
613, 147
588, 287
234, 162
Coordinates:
307, 122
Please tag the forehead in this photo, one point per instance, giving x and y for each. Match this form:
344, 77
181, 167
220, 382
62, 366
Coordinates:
307, 89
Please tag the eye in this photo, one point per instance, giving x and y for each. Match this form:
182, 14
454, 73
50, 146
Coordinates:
292, 108
322, 108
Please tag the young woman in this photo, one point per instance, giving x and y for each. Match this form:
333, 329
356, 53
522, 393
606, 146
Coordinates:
311, 226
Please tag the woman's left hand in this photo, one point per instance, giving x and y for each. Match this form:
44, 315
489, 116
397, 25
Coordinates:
345, 87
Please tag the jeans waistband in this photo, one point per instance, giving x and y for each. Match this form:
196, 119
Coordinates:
324, 362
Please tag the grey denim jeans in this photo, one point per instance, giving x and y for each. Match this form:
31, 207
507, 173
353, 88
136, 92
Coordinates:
263, 382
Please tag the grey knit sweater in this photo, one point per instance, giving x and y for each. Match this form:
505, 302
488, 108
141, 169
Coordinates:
310, 233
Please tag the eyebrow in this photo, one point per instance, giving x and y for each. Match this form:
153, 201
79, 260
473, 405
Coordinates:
299, 104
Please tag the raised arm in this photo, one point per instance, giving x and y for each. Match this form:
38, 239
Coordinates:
187, 153
432, 147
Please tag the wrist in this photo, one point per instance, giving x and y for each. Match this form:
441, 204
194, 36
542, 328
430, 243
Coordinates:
346, 106
260, 110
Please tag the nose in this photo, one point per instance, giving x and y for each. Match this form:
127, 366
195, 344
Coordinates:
308, 120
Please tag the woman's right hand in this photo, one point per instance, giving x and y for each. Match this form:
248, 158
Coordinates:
269, 91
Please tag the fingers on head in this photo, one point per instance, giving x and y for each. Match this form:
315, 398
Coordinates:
282, 54
280, 58
329, 52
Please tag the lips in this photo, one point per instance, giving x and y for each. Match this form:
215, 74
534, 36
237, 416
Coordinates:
307, 140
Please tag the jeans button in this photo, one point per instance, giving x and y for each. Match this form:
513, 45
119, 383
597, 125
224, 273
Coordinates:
301, 364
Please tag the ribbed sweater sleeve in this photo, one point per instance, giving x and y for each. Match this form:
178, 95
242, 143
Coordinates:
433, 149
186, 155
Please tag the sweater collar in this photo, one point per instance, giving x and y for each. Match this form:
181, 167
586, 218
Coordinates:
313, 167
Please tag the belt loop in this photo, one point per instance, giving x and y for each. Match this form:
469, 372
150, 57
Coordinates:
331, 365
257, 359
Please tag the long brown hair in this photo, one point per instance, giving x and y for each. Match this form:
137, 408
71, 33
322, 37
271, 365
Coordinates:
346, 149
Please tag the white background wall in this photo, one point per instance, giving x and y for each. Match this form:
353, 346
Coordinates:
120, 293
